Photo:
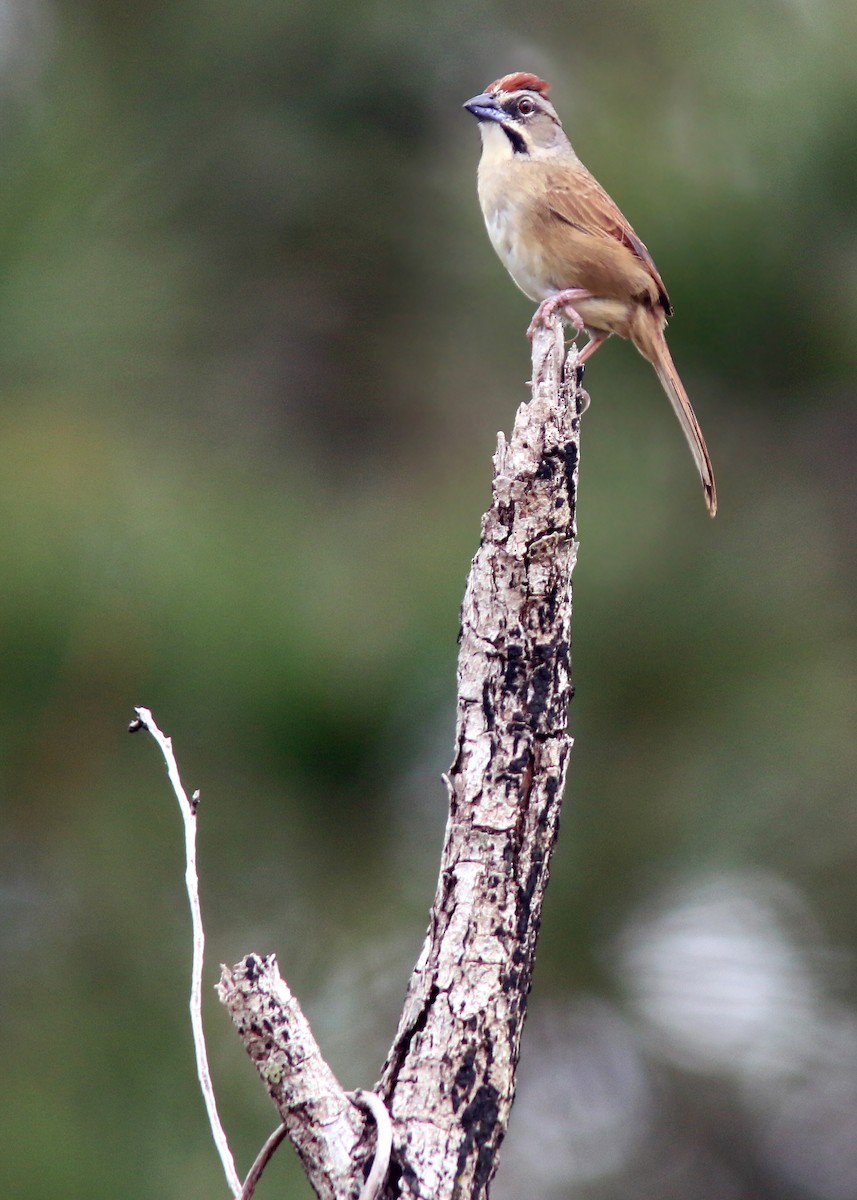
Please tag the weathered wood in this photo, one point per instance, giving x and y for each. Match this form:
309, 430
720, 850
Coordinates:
450, 1077
324, 1126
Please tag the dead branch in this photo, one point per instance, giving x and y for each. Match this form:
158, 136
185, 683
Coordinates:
324, 1125
449, 1080
450, 1076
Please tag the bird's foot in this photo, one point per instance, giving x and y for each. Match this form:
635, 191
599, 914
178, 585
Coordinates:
595, 340
561, 300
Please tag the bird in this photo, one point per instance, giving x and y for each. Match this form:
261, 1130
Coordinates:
566, 243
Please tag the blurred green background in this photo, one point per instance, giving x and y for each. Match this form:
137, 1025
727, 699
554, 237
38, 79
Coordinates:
254, 351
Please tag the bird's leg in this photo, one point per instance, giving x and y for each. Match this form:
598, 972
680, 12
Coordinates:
596, 339
561, 300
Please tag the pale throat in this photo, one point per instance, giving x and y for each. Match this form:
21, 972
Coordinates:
503, 218
496, 147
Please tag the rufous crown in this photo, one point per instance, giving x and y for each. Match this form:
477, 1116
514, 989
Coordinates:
518, 81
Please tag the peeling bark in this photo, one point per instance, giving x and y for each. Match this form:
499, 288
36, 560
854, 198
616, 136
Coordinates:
450, 1076
322, 1123
449, 1079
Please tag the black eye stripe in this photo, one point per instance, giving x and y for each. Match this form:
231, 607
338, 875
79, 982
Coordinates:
510, 107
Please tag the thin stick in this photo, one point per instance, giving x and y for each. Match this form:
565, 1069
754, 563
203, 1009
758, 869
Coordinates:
377, 1177
262, 1160
188, 810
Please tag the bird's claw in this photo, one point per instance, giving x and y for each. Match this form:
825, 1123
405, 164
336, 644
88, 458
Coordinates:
561, 300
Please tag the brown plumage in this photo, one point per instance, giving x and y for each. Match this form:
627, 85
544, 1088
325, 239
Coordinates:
518, 81
566, 243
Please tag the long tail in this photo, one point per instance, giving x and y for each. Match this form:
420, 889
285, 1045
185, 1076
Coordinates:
649, 339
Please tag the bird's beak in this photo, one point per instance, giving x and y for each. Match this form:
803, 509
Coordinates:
485, 108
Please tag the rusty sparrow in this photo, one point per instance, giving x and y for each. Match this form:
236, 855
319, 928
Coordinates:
566, 244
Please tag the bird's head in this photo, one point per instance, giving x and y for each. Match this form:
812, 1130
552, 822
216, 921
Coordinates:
516, 118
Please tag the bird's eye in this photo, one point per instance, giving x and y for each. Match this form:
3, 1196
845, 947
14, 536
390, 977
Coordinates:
525, 106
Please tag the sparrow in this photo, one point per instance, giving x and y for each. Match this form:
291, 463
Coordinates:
567, 245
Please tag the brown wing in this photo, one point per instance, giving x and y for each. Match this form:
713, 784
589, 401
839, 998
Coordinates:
590, 210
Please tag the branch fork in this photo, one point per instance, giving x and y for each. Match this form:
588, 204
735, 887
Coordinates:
432, 1127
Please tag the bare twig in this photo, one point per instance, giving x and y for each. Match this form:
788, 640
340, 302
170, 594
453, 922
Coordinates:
377, 1176
188, 810
262, 1159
